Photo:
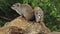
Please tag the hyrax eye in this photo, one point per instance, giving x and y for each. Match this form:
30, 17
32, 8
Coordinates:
13, 6
41, 15
17, 5
36, 13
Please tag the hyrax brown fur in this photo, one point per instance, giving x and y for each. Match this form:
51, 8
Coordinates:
24, 10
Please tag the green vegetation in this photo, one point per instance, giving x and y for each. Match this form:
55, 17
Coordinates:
51, 10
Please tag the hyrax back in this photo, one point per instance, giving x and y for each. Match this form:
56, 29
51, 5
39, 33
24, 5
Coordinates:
23, 10
38, 14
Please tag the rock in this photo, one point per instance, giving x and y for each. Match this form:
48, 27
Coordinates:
29, 27
54, 33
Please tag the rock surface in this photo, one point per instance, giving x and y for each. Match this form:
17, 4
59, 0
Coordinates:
23, 24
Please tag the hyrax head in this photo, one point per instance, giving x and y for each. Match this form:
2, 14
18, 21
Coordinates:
38, 14
15, 6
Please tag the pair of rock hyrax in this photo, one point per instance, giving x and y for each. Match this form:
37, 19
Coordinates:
26, 11
22, 26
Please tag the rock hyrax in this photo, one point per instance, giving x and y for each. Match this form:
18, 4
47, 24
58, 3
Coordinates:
24, 10
38, 14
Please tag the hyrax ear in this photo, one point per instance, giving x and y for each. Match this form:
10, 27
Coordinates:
17, 4
26, 4
36, 8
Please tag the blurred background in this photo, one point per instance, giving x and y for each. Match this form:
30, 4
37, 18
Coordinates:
51, 10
